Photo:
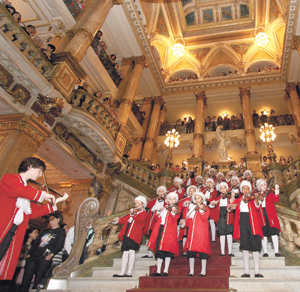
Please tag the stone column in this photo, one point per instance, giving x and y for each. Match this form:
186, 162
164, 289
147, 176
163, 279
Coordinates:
138, 143
152, 130
20, 137
248, 122
162, 116
131, 88
127, 71
88, 26
289, 104
296, 43
252, 157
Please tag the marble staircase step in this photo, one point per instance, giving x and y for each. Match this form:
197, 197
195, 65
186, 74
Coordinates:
138, 263
264, 262
108, 272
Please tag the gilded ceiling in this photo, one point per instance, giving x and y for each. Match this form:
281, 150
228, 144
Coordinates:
218, 36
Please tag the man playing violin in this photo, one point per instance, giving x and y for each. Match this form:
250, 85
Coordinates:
17, 207
271, 227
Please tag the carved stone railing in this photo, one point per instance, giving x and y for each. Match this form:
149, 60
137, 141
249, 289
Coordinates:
83, 100
88, 218
141, 173
22, 40
291, 171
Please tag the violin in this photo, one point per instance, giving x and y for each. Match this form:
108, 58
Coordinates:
250, 197
169, 208
198, 207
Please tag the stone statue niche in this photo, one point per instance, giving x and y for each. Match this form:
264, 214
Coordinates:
224, 145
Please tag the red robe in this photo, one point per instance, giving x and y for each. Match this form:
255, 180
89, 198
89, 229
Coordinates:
213, 211
192, 183
135, 230
11, 188
168, 240
198, 237
271, 198
230, 216
254, 213
150, 222
184, 212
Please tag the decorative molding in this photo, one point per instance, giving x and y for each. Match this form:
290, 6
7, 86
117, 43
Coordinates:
86, 33
296, 43
201, 96
244, 91
290, 86
249, 132
198, 136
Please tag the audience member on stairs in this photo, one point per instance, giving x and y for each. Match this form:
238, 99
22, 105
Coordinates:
152, 206
198, 242
224, 219
163, 239
272, 227
210, 195
131, 234
185, 206
247, 228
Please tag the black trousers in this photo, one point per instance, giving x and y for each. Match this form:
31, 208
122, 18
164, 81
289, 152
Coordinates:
37, 266
5, 243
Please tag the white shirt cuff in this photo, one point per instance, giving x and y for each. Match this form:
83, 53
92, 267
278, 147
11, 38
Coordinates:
42, 197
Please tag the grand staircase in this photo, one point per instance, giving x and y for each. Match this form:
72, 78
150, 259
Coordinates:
223, 274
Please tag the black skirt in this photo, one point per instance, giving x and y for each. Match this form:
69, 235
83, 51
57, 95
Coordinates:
161, 254
128, 243
223, 227
249, 241
267, 230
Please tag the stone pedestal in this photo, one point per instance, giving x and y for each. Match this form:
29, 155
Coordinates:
253, 164
224, 166
196, 162
166, 177
275, 171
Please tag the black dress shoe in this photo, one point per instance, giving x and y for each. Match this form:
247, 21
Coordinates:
118, 276
146, 257
190, 275
155, 275
200, 275
245, 276
265, 255
231, 255
165, 274
278, 255
259, 276
128, 276
221, 255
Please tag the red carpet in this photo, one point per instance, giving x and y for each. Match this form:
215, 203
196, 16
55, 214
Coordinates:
217, 275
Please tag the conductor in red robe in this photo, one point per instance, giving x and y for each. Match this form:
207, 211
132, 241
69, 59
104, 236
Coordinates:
16, 208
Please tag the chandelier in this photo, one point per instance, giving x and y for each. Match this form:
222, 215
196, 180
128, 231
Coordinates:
178, 50
261, 39
172, 141
267, 133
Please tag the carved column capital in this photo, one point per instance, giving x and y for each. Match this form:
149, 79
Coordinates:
117, 2
164, 108
86, 33
298, 132
149, 140
158, 100
286, 97
142, 61
290, 86
127, 61
147, 100
70, 33
28, 124
201, 96
296, 42
126, 101
244, 91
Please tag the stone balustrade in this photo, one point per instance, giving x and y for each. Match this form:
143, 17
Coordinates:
83, 100
141, 173
291, 171
13, 31
87, 218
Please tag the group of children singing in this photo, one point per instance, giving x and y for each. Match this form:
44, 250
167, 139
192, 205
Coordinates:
240, 209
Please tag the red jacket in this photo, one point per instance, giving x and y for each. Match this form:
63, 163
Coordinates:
150, 222
270, 199
230, 216
198, 236
168, 240
213, 211
135, 230
11, 188
184, 212
254, 213
193, 182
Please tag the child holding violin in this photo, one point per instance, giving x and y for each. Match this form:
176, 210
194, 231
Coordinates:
211, 194
248, 177
197, 244
178, 187
131, 234
152, 206
200, 183
247, 227
163, 240
223, 218
235, 186
272, 228
220, 178
185, 206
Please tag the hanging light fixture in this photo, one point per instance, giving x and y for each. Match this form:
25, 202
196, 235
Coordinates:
267, 134
261, 39
178, 50
172, 141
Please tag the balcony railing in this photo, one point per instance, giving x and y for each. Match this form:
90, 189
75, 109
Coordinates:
24, 43
84, 100
73, 7
283, 120
105, 60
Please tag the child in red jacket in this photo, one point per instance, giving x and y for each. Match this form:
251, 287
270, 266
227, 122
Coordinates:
197, 244
272, 227
247, 227
131, 234
163, 239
